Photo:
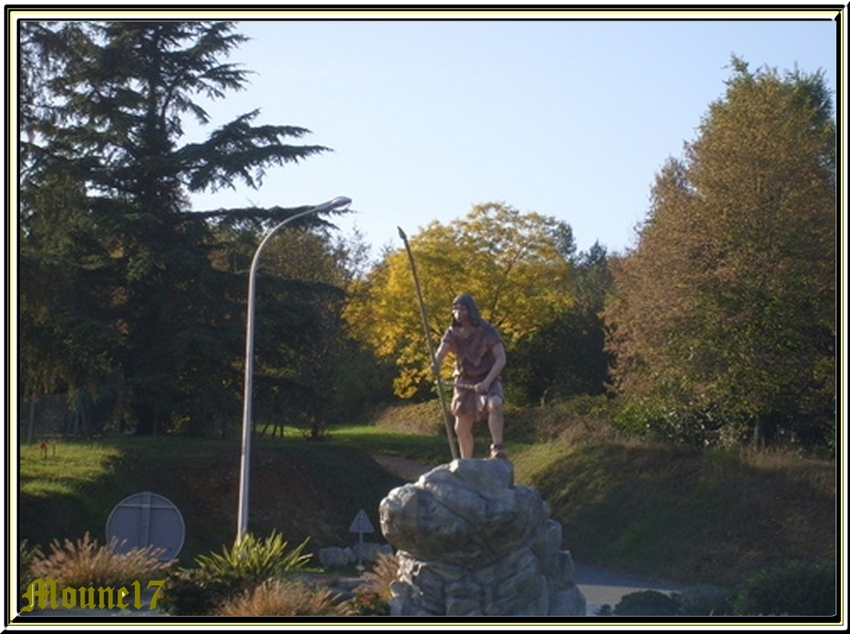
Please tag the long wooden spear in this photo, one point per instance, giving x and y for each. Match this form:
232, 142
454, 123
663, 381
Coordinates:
446, 416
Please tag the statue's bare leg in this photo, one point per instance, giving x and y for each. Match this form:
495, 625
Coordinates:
496, 421
463, 429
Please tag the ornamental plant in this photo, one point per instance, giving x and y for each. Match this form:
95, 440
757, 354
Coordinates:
222, 576
84, 562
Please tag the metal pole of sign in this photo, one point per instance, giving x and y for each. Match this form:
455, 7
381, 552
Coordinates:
446, 417
340, 202
360, 525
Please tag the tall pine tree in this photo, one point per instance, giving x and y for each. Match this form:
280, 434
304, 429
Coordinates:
117, 283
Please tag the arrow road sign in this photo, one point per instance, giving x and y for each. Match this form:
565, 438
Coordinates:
360, 525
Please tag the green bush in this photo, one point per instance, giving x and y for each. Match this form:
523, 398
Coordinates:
794, 589
194, 592
654, 420
367, 603
648, 603
604, 610
220, 576
255, 559
638, 419
27, 555
705, 600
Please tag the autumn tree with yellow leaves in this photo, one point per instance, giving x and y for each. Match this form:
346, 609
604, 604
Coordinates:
516, 265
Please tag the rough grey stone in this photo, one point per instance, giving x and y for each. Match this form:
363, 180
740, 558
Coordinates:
335, 557
470, 542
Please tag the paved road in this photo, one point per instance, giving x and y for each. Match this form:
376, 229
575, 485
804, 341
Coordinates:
601, 587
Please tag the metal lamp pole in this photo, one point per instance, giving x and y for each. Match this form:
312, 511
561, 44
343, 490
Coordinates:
339, 202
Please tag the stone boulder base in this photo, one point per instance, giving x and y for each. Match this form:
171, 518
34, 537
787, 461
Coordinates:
470, 543
368, 553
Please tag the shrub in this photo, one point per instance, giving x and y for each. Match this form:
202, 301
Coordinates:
366, 603
638, 418
705, 600
648, 603
26, 556
84, 563
378, 580
221, 576
255, 560
194, 592
655, 420
278, 597
793, 588
372, 598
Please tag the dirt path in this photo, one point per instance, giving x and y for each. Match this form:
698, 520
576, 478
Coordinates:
410, 470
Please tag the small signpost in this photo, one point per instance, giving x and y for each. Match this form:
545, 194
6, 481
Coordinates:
360, 525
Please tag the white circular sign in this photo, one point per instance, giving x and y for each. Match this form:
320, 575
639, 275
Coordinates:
146, 519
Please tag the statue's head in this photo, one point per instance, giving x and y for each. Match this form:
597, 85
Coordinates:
471, 309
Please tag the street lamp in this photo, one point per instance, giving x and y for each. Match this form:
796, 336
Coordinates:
340, 202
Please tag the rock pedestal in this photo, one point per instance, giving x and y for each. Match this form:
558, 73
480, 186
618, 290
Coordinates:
470, 543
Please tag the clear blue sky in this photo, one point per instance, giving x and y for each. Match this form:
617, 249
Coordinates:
571, 119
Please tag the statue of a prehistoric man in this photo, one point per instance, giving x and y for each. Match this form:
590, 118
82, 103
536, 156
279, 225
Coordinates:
479, 358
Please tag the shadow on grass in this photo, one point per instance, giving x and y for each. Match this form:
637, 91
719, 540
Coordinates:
302, 489
684, 515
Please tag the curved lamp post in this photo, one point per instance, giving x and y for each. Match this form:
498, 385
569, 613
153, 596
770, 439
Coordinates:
340, 202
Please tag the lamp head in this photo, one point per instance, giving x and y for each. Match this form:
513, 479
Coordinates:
337, 204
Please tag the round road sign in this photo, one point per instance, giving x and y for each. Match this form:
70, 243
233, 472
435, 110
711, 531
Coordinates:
146, 519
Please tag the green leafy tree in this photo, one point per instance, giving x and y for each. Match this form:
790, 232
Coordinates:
724, 313
120, 288
516, 266
310, 371
567, 357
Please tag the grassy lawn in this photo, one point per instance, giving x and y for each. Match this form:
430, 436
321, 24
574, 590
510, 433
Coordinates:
306, 489
64, 468
371, 439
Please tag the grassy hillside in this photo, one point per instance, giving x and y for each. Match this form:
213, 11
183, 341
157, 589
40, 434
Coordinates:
715, 517
302, 489
711, 517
